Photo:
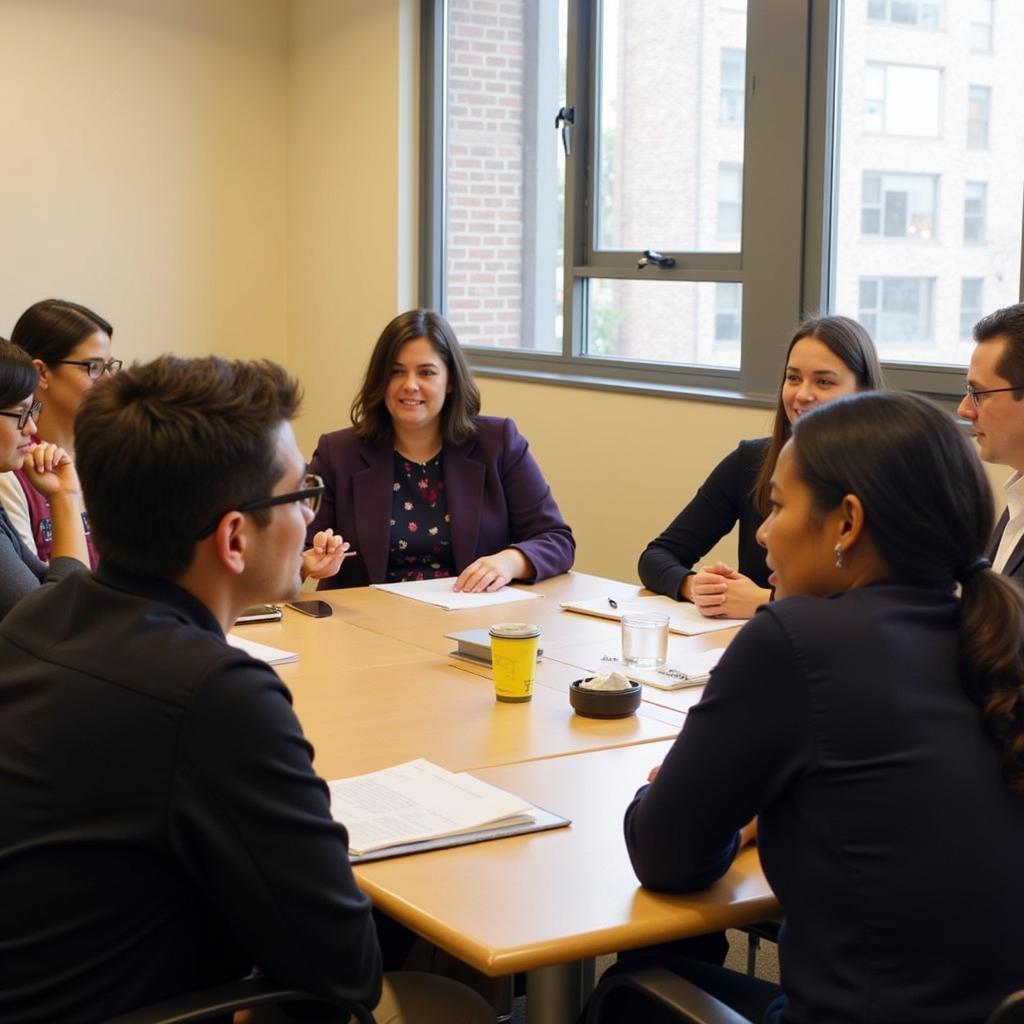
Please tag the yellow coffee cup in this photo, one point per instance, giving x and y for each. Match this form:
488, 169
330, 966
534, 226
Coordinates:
514, 659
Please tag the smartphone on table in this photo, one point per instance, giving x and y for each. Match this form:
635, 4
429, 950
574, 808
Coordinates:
318, 609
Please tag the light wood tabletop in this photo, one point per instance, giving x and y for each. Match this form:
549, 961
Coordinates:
529, 901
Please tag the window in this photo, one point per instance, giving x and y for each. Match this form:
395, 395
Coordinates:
978, 100
922, 13
827, 197
900, 99
974, 211
732, 87
897, 309
981, 26
728, 305
898, 205
730, 200
972, 304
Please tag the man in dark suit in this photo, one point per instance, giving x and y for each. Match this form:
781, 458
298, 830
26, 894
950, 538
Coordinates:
162, 827
994, 406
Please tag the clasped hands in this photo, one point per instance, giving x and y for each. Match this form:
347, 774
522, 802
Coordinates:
719, 591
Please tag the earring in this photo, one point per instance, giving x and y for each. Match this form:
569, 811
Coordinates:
839, 555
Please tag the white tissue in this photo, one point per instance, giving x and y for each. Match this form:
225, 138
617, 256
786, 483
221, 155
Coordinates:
612, 681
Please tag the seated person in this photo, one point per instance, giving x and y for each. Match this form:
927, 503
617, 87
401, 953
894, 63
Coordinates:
163, 826
70, 346
828, 356
870, 718
422, 487
48, 470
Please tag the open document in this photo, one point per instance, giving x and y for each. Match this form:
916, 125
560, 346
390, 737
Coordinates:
418, 805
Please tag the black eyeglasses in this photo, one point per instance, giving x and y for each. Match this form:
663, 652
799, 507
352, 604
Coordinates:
95, 368
974, 394
24, 415
310, 493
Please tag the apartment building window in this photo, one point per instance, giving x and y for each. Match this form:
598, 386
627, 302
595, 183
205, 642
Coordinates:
981, 26
902, 99
972, 304
897, 309
922, 13
979, 100
898, 205
647, 245
732, 87
728, 311
975, 196
730, 200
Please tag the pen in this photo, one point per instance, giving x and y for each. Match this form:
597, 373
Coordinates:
612, 603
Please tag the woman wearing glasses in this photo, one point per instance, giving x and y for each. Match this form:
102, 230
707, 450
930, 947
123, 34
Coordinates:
48, 469
828, 356
424, 487
70, 346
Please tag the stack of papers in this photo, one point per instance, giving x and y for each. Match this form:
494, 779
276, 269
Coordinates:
418, 805
440, 592
475, 645
683, 617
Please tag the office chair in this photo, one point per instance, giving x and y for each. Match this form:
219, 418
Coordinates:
1009, 1011
693, 1005
221, 1000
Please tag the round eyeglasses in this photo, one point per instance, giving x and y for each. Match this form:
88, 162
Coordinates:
95, 368
309, 494
24, 415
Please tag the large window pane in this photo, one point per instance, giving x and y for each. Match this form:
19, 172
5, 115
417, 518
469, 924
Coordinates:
917, 244
504, 174
672, 81
665, 321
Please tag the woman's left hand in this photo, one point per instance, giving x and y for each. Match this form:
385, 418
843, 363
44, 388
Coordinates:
50, 470
492, 572
324, 558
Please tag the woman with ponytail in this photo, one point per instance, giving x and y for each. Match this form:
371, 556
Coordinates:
871, 720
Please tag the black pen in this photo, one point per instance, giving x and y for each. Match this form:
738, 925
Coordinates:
613, 603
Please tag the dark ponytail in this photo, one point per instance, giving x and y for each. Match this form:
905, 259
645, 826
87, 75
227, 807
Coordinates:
928, 509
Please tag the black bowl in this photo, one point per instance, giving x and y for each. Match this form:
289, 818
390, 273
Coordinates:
604, 703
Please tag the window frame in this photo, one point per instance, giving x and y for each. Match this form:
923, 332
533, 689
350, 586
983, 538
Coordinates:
789, 214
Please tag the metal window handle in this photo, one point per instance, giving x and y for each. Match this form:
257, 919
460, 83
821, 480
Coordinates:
566, 116
650, 256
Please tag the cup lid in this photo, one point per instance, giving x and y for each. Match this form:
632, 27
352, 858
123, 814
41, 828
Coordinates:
514, 630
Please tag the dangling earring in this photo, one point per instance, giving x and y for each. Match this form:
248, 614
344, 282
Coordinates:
839, 555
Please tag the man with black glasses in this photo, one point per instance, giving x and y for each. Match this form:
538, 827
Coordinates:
993, 405
162, 825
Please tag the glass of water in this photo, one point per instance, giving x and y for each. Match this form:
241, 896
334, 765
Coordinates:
644, 639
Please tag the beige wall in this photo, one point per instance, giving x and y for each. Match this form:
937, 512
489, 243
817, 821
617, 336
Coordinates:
240, 176
144, 170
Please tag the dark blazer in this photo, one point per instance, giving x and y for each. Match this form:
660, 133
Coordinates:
1014, 567
497, 498
721, 501
884, 825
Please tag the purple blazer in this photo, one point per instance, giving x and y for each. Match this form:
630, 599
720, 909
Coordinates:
497, 498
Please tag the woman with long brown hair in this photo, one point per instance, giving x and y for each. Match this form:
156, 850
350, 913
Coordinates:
828, 356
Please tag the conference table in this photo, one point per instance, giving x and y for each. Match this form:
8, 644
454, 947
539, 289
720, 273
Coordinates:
375, 685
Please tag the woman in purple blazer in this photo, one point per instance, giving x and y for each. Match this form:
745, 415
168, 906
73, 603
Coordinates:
423, 487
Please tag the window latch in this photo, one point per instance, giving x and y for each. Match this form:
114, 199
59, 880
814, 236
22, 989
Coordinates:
566, 117
650, 256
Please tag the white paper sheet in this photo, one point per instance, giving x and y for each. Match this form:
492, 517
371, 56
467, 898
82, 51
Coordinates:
264, 652
690, 669
418, 800
440, 592
683, 617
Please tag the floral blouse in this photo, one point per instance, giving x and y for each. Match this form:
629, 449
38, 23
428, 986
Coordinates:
421, 538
